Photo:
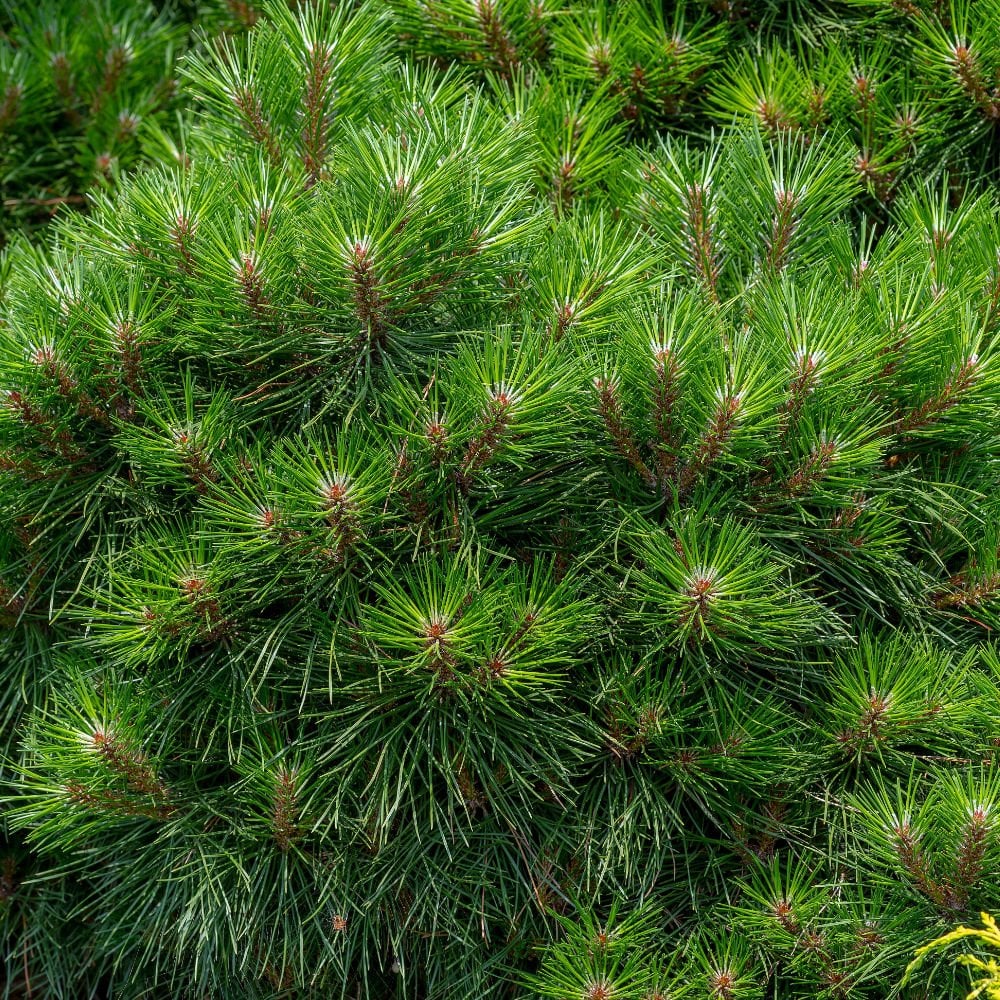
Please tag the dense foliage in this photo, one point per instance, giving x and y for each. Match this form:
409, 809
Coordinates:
89, 89
472, 530
84, 85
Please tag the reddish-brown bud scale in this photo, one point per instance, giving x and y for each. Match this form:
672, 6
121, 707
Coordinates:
369, 305
284, 811
698, 229
783, 227
950, 395
613, 416
497, 37
259, 129
316, 117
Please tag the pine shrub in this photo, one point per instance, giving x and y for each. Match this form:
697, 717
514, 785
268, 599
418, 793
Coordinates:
459, 544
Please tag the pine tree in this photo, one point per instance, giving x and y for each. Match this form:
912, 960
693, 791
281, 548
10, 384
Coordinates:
459, 542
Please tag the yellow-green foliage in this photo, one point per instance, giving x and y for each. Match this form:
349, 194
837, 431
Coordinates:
989, 936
